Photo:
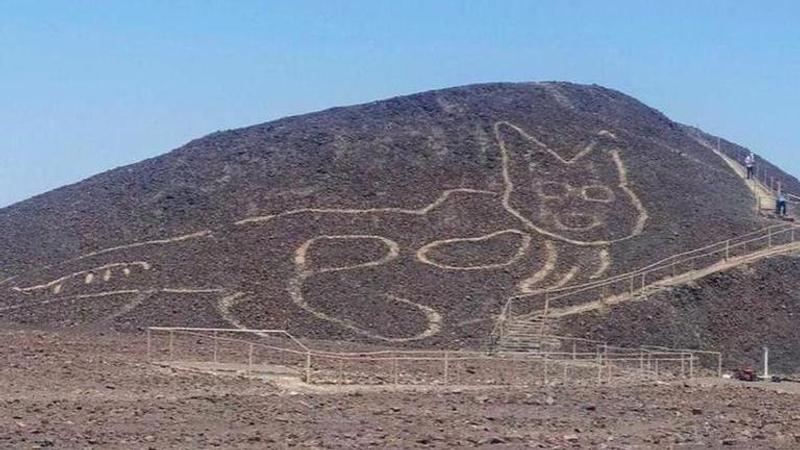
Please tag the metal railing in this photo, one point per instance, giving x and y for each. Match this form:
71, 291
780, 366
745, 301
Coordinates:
664, 273
254, 351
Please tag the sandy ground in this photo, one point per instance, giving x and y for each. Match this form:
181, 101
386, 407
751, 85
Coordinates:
82, 390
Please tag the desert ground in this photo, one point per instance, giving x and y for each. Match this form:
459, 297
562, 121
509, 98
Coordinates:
90, 389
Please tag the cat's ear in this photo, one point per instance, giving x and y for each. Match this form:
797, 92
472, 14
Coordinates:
518, 144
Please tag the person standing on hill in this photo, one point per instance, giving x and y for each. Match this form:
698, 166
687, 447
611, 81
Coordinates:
750, 162
780, 205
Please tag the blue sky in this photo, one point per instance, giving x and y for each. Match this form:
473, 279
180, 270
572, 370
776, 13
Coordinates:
86, 86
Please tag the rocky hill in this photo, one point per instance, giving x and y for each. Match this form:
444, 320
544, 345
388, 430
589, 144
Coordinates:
737, 312
407, 220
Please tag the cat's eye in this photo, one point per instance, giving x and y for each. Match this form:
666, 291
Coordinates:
597, 193
553, 189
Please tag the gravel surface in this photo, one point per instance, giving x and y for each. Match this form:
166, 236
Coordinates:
92, 390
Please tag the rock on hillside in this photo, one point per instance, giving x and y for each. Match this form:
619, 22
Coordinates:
407, 220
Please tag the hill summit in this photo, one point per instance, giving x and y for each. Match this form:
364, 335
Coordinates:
408, 220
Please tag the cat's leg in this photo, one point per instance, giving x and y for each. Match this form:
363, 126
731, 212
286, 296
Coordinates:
567, 265
344, 280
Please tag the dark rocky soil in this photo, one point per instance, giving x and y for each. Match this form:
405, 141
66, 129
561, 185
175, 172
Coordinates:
67, 390
736, 312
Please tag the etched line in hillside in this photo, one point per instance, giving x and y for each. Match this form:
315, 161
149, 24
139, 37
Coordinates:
551, 259
71, 297
88, 275
666, 283
522, 248
418, 212
303, 254
605, 263
172, 240
130, 306
224, 306
589, 222
567, 278
509, 189
295, 287
295, 290
8, 280
301, 260
191, 290
622, 170
589, 193
586, 150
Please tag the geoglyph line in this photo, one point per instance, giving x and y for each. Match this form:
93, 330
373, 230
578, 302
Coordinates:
524, 245
172, 240
605, 263
8, 280
224, 308
71, 297
509, 189
433, 318
567, 278
551, 260
418, 212
393, 251
643, 216
191, 291
144, 265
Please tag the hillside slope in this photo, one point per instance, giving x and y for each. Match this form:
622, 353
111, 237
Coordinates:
737, 312
407, 220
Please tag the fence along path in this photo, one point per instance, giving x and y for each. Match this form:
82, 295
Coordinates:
537, 309
276, 353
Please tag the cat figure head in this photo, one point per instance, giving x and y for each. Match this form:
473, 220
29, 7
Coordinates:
577, 194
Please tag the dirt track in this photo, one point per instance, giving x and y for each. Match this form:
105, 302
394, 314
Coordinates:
94, 391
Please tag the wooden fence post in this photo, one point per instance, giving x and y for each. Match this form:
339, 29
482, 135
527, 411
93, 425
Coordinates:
683, 366
544, 371
171, 344
446, 363
250, 358
599, 366
216, 350
546, 312
641, 362
308, 367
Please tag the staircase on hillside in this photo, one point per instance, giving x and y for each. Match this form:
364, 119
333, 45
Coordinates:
531, 331
526, 336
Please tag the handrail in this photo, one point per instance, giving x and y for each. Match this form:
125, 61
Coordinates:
722, 247
666, 262
649, 269
718, 247
408, 354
